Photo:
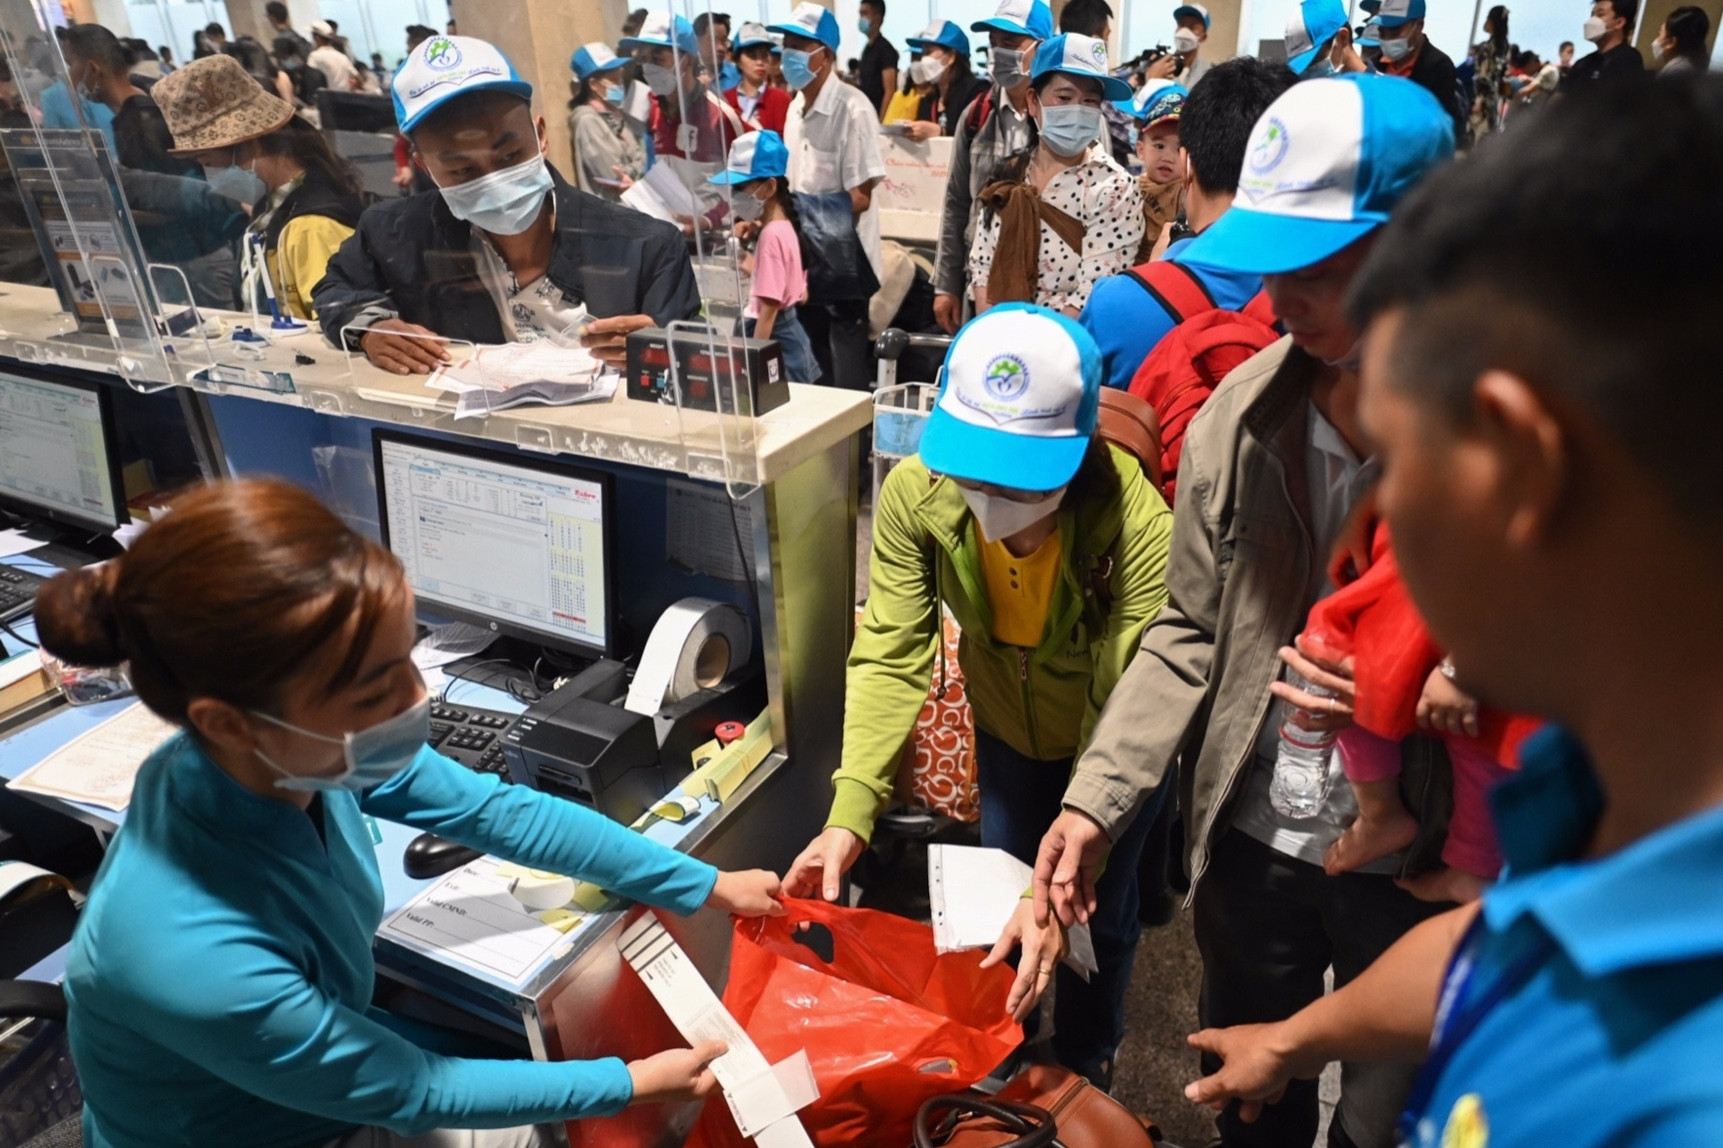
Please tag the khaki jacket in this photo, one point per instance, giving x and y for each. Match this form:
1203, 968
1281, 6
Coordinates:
1242, 559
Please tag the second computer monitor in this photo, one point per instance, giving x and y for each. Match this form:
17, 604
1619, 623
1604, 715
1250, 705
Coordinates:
521, 546
59, 456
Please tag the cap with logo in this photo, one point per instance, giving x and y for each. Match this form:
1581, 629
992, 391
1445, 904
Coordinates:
663, 30
444, 67
594, 58
1075, 55
1312, 26
1196, 10
812, 21
1325, 166
1019, 400
754, 155
750, 36
1019, 18
942, 34
1393, 13
1156, 101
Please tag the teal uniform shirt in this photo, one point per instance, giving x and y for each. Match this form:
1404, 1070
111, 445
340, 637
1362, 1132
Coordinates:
220, 977
1585, 1009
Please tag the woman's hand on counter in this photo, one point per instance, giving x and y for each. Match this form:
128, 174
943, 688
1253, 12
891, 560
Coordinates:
404, 348
1044, 946
748, 893
822, 865
677, 1075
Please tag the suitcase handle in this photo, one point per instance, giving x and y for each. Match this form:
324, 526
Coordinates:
1034, 1127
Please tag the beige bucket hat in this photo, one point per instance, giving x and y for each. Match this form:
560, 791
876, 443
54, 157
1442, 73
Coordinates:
215, 103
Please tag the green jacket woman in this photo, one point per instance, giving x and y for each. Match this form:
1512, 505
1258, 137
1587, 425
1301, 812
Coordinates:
1049, 548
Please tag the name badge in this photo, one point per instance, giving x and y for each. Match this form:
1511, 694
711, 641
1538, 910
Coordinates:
687, 138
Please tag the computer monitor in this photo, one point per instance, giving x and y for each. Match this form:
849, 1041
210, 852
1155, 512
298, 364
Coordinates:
520, 546
59, 455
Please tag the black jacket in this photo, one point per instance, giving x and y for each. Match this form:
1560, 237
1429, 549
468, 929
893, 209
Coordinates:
1433, 71
411, 256
1620, 64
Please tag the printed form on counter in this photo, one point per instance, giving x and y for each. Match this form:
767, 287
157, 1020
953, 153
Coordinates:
764, 1098
98, 767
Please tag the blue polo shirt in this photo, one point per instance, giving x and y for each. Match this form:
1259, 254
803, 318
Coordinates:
1127, 322
1606, 977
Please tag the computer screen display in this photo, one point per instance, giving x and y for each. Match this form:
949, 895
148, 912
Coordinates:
58, 455
491, 539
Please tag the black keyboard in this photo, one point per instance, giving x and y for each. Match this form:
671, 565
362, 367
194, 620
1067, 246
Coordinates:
471, 736
17, 592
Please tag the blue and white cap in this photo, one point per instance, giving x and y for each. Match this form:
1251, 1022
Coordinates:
663, 30
1369, 36
943, 34
812, 21
1196, 10
1019, 400
750, 36
444, 67
1312, 26
1155, 101
1393, 13
591, 59
1019, 18
1326, 164
1076, 55
755, 155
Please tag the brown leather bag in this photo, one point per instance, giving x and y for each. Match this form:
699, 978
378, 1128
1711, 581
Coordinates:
1045, 1107
1130, 423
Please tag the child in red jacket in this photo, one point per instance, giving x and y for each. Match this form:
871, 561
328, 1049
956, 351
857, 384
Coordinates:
1403, 683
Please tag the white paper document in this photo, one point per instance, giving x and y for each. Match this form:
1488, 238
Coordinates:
975, 891
19, 542
763, 1098
99, 766
662, 194
469, 917
19, 666
548, 372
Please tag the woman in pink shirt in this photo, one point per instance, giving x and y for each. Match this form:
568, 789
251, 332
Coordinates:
760, 198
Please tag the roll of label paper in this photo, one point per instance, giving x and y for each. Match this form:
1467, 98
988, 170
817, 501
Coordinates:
696, 644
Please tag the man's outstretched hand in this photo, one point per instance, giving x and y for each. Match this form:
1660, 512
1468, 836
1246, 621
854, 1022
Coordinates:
1258, 1064
1065, 869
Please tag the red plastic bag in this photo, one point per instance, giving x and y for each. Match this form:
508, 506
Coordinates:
885, 1021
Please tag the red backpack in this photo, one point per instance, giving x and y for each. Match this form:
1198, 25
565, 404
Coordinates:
1188, 363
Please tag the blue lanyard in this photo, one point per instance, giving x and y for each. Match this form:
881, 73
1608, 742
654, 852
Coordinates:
1457, 1018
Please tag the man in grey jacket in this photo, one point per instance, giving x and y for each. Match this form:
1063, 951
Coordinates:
995, 125
1271, 468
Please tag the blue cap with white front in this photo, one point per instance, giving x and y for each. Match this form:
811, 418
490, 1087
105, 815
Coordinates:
1154, 101
592, 59
1393, 13
1019, 18
1083, 56
1019, 400
1196, 10
1325, 166
1312, 26
812, 21
755, 155
942, 34
444, 67
750, 36
663, 30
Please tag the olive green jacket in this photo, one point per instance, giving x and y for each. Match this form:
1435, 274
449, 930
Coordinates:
1042, 702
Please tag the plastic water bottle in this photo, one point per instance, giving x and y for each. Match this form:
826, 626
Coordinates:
1300, 783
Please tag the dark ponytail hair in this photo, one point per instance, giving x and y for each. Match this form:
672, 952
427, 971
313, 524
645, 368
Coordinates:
240, 588
307, 147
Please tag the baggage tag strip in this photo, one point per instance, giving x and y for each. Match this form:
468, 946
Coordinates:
764, 1098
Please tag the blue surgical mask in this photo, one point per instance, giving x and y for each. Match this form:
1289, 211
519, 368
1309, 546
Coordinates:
613, 95
1321, 68
1069, 129
864, 26
797, 72
1396, 49
372, 755
236, 183
504, 202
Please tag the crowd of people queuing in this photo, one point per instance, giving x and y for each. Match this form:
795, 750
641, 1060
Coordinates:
1416, 389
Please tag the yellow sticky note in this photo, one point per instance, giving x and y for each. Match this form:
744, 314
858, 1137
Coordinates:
590, 897
561, 920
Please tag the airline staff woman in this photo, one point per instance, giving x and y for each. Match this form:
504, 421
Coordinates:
220, 978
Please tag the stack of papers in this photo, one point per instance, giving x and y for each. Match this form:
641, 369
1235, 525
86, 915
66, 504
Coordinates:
975, 891
498, 378
663, 195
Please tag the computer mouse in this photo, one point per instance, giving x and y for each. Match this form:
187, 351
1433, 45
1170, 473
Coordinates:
431, 856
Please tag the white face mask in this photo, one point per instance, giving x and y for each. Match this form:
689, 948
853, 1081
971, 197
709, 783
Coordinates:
746, 206
1595, 29
504, 202
999, 517
1658, 51
932, 67
1069, 129
1396, 49
1185, 40
660, 79
1008, 69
